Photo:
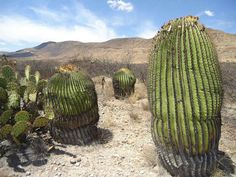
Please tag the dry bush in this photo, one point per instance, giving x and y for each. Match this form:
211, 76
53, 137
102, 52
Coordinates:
108, 121
139, 93
134, 117
145, 106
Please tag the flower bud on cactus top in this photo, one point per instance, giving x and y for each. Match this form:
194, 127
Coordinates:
185, 96
123, 83
73, 99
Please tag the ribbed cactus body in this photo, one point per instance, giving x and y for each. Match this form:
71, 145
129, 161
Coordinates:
123, 83
185, 96
73, 98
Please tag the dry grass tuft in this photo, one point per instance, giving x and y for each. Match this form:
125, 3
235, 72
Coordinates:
134, 116
108, 121
145, 106
150, 155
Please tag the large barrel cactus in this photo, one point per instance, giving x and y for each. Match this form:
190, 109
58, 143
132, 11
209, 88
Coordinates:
185, 96
123, 83
73, 99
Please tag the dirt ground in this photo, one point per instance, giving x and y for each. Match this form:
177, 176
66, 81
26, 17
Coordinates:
130, 152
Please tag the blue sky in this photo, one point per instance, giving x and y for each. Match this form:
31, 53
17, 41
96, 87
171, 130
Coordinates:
27, 23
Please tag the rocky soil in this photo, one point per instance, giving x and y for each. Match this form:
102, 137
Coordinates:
129, 153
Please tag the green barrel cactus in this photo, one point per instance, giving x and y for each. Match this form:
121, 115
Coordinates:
185, 96
123, 83
73, 99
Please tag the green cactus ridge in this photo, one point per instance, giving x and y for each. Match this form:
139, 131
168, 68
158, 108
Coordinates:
22, 116
123, 83
73, 99
185, 96
5, 116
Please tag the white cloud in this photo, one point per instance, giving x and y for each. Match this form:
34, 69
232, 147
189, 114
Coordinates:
209, 13
148, 30
87, 27
120, 5
44, 12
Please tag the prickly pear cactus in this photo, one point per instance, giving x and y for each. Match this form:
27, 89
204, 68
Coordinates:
73, 99
123, 83
20, 128
3, 95
5, 131
22, 116
40, 122
8, 72
3, 82
185, 96
5, 116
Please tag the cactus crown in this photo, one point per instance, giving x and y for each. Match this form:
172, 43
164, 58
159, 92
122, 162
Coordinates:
67, 68
185, 94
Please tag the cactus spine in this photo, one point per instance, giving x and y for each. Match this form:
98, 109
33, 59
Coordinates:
123, 83
73, 99
185, 96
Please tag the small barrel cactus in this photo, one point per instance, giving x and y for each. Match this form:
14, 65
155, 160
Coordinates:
73, 99
185, 95
123, 83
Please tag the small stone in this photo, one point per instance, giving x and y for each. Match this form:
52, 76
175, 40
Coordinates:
79, 159
28, 173
142, 172
73, 161
63, 164
77, 164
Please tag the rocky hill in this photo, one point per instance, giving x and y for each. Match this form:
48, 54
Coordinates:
133, 50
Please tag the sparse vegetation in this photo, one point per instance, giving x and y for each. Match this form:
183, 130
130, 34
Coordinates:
131, 151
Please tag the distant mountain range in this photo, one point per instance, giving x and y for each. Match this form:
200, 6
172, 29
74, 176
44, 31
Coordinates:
134, 50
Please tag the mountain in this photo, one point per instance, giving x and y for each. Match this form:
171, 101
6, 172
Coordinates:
134, 50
